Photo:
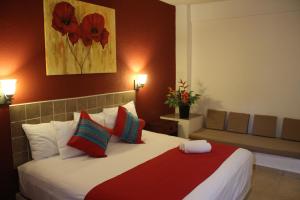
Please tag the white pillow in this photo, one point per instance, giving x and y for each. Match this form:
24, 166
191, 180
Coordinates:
111, 114
110, 120
64, 131
131, 108
114, 139
42, 140
97, 117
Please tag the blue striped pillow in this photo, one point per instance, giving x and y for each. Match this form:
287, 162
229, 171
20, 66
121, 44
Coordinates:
90, 137
128, 127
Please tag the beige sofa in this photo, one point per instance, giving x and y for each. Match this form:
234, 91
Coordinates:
262, 139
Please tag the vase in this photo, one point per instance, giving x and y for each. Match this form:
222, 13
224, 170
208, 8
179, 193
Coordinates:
184, 111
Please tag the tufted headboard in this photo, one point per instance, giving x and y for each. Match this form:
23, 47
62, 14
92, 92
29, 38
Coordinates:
60, 110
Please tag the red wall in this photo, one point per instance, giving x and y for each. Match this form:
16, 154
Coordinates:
145, 44
145, 32
6, 166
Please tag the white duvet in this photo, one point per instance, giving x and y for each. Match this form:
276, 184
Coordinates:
71, 179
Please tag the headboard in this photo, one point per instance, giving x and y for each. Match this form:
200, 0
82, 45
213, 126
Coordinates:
60, 110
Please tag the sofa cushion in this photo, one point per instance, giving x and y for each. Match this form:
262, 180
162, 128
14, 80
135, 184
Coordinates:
238, 122
215, 119
251, 142
291, 129
264, 125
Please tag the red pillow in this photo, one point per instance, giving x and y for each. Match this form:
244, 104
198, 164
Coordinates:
90, 137
128, 127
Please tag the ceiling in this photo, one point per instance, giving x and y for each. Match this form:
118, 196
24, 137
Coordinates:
177, 2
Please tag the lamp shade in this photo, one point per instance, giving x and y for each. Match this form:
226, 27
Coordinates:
141, 79
9, 86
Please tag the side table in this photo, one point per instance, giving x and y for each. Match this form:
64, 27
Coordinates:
186, 126
168, 127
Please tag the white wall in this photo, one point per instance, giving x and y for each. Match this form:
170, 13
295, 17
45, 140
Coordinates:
183, 48
246, 54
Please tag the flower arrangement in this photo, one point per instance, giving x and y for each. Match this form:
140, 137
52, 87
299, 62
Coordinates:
181, 97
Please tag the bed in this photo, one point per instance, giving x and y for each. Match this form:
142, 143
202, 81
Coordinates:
54, 178
57, 179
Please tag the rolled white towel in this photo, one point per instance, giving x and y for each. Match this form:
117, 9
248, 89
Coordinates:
195, 146
188, 142
191, 142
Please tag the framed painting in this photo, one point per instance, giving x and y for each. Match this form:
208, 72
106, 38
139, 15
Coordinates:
80, 38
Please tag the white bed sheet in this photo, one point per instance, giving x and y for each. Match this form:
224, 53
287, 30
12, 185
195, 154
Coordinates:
71, 179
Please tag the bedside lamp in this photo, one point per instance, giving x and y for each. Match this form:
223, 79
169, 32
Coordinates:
8, 89
140, 81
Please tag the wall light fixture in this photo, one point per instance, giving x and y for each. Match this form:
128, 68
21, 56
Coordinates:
8, 90
140, 81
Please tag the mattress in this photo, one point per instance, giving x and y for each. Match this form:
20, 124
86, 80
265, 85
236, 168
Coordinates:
57, 179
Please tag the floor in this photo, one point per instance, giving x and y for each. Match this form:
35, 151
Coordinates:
274, 185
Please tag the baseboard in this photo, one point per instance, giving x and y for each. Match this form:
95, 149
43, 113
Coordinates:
277, 162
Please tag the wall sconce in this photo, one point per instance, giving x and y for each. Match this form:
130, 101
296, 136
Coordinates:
140, 81
8, 88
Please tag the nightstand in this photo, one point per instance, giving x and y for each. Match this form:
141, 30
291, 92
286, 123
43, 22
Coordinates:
186, 126
167, 127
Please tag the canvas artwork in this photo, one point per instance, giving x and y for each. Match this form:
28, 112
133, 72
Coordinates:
79, 38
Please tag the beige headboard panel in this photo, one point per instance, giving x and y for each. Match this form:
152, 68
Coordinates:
60, 110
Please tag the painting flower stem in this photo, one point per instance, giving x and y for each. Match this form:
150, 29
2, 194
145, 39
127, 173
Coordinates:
88, 52
80, 64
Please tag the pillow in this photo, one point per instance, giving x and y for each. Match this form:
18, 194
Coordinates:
110, 121
114, 139
64, 131
90, 137
111, 114
41, 139
215, 119
238, 122
291, 129
97, 117
130, 106
264, 125
128, 127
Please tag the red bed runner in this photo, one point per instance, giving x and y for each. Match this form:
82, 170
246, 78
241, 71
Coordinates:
171, 175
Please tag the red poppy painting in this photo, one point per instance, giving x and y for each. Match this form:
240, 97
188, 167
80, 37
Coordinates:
79, 38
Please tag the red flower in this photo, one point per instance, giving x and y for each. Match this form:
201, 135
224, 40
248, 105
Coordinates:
104, 37
92, 26
86, 41
74, 36
185, 97
64, 19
